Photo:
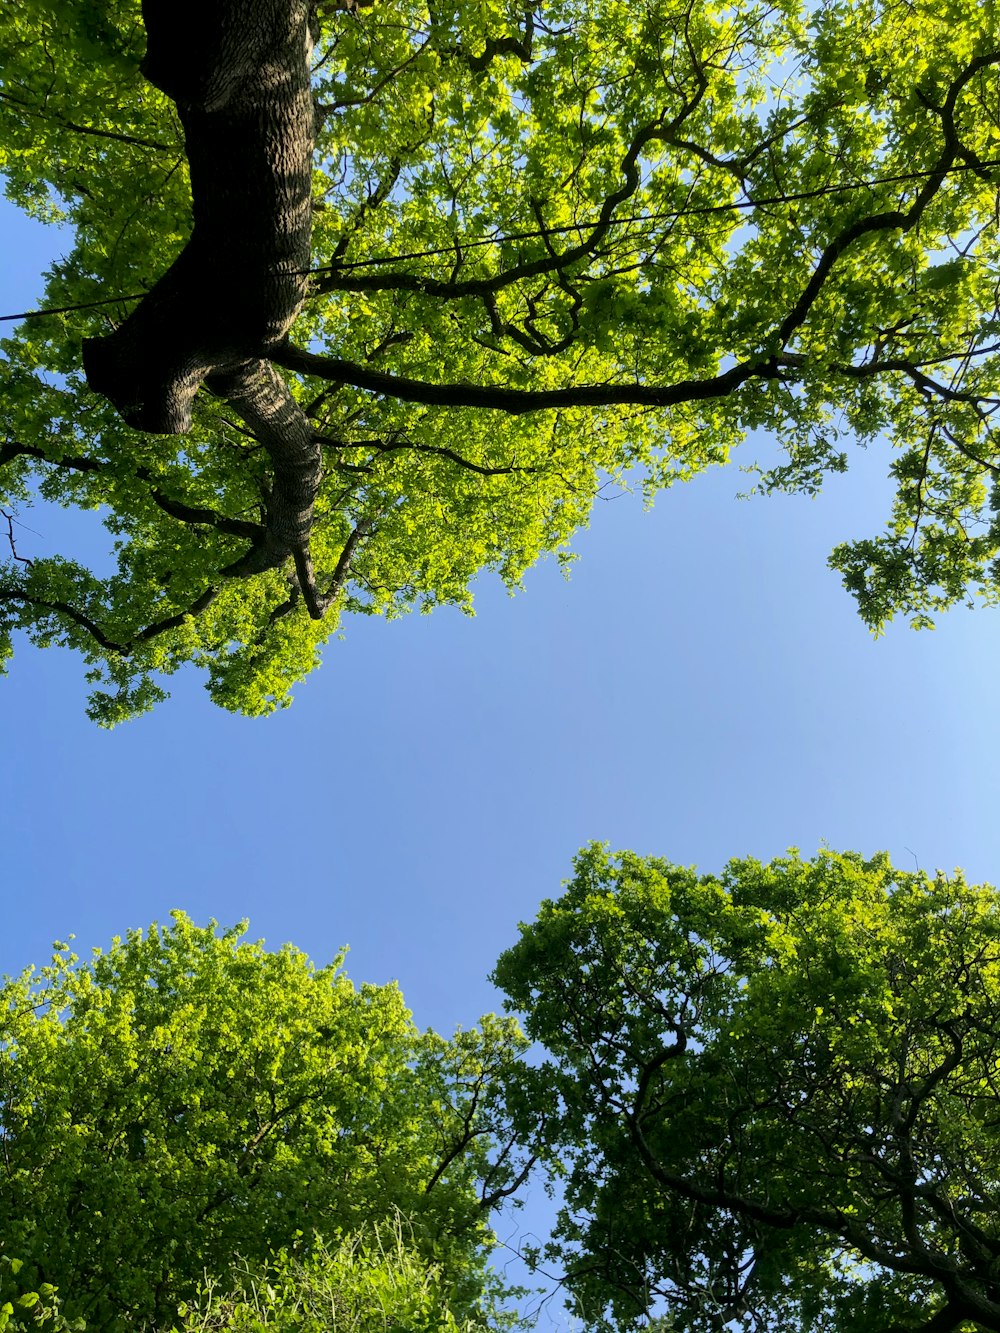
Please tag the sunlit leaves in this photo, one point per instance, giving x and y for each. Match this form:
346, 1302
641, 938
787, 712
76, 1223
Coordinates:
188, 1098
528, 197
370, 1282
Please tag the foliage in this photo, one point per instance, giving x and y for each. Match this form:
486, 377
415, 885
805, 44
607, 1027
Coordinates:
771, 1096
186, 1098
369, 1283
24, 1309
556, 246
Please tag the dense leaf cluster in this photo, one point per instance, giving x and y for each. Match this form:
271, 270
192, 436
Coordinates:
187, 1099
772, 1095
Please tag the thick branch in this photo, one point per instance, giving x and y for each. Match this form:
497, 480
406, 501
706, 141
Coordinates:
552, 262
199, 515
899, 365
755, 1210
320, 604
71, 612
261, 397
517, 402
85, 622
945, 1320
13, 449
243, 95
963, 1291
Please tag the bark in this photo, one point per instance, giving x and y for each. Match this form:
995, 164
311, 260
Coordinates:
239, 73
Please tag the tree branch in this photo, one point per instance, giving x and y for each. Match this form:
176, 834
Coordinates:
21, 559
891, 219
319, 608
263, 400
451, 289
439, 450
178, 509
517, 402
80, 618
64, 608
37, 113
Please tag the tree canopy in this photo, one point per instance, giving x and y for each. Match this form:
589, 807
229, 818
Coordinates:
553, 246
187, 1101
768, 1100
770, 1096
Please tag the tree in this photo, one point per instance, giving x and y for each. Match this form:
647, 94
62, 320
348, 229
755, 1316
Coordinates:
186, 1101
771, 1096
552, 247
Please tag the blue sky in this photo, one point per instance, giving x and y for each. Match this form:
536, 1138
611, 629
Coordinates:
701, 688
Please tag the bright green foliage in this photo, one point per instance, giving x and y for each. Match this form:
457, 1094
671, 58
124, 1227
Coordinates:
773, 1096
371, 1283
186, 1099
23, 1309
554, 244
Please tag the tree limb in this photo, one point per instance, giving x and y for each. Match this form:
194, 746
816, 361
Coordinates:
517, 402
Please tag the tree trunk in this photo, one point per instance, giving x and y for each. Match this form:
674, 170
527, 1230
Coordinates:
239, 73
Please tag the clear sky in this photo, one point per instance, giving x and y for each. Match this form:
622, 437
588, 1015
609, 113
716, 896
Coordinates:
701, 688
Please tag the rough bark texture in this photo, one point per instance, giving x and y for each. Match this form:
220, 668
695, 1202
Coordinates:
239, 73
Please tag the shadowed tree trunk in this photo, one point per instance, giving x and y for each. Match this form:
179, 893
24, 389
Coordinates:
239, 73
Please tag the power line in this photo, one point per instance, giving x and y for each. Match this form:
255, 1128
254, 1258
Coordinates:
542, 232
65, 309
671, 215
